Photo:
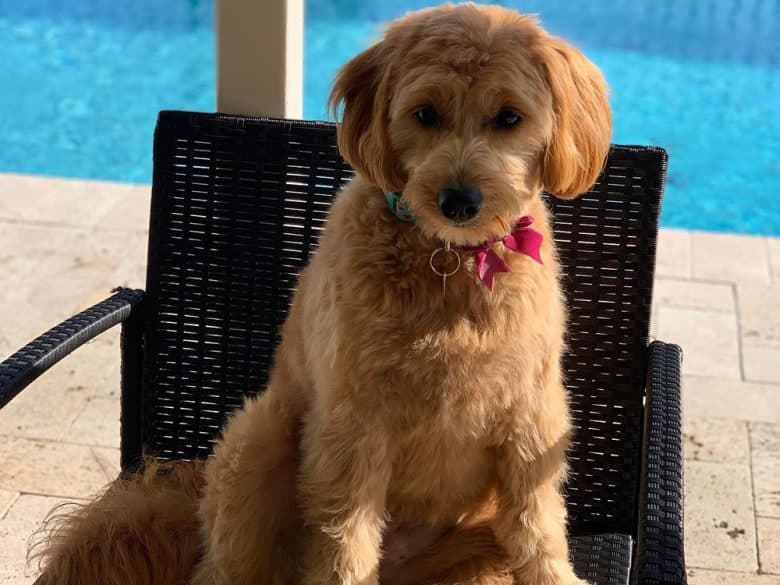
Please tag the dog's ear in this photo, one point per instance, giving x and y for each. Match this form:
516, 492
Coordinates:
363, 88
582, 120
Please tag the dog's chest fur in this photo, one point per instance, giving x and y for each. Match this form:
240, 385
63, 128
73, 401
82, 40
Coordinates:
439, 375
438, 474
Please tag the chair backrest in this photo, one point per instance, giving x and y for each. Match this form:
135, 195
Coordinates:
238, 206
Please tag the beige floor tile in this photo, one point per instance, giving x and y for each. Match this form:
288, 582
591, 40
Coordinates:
31, 257
759, 312
691, 294
704, 397
653, 332
86, 273
56, 469
79, 273
130, 251
47, 408
761, 364
130, 211
769, 544
97, 424
15, 265
765, 447
706, 577
727, 257
673, 256
61, 201
27, 241
7, 347
719, 525
708, 338
6, 499
17, 533
773, 244
716, 440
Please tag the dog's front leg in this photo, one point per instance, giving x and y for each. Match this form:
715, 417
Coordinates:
344, 476
531, 519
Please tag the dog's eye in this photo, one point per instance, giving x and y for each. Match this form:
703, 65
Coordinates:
508, 118
427, 116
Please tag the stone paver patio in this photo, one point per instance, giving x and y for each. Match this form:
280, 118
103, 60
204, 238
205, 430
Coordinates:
64, 244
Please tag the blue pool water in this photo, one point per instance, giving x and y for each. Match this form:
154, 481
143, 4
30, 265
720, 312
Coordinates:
81, 82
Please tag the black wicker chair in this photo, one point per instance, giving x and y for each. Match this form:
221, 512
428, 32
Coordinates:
238, 205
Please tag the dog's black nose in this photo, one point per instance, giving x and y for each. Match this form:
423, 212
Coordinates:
460, 203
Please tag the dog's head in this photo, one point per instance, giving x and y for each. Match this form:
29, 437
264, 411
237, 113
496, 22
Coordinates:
470, 111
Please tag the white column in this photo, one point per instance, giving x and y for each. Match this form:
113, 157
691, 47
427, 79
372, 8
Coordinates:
260, 57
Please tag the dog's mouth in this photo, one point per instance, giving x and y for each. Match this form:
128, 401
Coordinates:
467, 223
483, 223
487, 224
471, 232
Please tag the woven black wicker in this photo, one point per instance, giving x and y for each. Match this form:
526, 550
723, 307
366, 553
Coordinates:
238, 206
601, 558
660, 554
24, 366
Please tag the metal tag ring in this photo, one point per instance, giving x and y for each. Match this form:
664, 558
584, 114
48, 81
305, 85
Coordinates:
438, 272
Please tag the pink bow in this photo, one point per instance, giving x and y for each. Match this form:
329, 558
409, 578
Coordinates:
522, 239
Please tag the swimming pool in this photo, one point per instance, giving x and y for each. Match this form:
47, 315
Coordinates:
82, 81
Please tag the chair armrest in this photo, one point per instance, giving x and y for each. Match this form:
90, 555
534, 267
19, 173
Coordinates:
24, 366
659, 556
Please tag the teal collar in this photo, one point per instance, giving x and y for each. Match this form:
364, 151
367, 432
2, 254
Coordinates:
399, 207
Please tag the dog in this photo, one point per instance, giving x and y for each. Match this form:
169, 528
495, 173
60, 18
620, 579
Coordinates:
415, 424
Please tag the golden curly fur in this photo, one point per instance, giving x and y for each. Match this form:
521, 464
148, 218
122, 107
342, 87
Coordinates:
142, 530
431, 428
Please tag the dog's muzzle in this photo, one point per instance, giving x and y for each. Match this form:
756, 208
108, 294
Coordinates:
460, 203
